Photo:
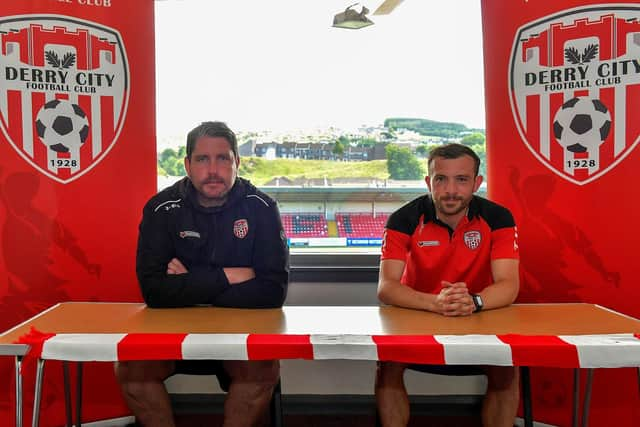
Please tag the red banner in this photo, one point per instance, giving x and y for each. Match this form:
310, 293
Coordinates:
77, 163
562, 84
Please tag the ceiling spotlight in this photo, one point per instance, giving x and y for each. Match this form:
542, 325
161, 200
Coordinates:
351, 19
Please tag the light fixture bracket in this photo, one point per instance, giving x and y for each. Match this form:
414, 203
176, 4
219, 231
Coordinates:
352, 19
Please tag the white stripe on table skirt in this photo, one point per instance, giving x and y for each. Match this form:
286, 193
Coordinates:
215, 346
475, 350
606, 351
82, 347
355, 347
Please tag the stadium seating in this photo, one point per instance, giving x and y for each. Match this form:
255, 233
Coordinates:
304, 225
361, 224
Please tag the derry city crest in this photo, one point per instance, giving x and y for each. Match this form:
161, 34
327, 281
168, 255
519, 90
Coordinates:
574, 81
64, 90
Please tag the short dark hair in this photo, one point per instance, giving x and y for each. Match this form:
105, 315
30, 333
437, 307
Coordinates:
219, 129
453, 151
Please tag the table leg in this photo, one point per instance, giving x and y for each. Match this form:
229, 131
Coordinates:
79, 396
18, 365
576, 396
587, 398
67, 393
37, 397
526, 396
276, 406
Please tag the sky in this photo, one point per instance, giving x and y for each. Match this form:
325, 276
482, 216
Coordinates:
278, 65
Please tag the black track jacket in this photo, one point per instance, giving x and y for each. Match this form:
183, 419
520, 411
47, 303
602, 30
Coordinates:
244, 232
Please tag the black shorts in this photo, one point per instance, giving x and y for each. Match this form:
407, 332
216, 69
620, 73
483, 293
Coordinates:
204, 367
457, 370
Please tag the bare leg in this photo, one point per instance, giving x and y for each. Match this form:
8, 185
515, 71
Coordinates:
391, 394
252, 384
142, 384
500, 404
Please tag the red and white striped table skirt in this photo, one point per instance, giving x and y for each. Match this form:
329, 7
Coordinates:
575, 351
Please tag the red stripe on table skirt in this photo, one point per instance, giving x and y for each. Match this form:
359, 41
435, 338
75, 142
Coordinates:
151, 347
541, 350
409, 349
274, 346
35, 339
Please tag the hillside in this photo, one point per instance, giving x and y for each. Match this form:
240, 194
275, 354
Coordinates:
260, 171
429, 127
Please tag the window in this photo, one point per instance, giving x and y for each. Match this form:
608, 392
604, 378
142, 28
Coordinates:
316, 107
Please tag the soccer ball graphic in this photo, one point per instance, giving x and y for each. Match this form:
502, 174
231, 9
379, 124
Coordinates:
582, 124
62, 126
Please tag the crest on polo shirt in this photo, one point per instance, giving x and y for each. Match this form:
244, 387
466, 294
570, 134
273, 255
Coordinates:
64, 91
472, 239
573, 81
240, 228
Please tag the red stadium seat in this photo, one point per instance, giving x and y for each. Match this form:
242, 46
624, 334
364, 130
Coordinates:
304, 225
361, 225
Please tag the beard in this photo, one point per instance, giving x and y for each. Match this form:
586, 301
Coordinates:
213, 197
451, 205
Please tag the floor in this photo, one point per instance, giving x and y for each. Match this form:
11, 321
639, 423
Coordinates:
206, 420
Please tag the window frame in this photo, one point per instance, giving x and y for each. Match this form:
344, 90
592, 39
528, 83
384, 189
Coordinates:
333, 267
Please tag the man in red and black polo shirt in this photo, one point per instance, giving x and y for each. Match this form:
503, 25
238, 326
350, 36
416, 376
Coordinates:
452, 253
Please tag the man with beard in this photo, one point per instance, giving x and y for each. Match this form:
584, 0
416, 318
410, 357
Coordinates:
210, 239
453, 253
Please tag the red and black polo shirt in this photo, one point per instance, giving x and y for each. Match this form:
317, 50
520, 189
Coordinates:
434, 252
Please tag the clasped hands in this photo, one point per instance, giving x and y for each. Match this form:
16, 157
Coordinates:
454, 300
